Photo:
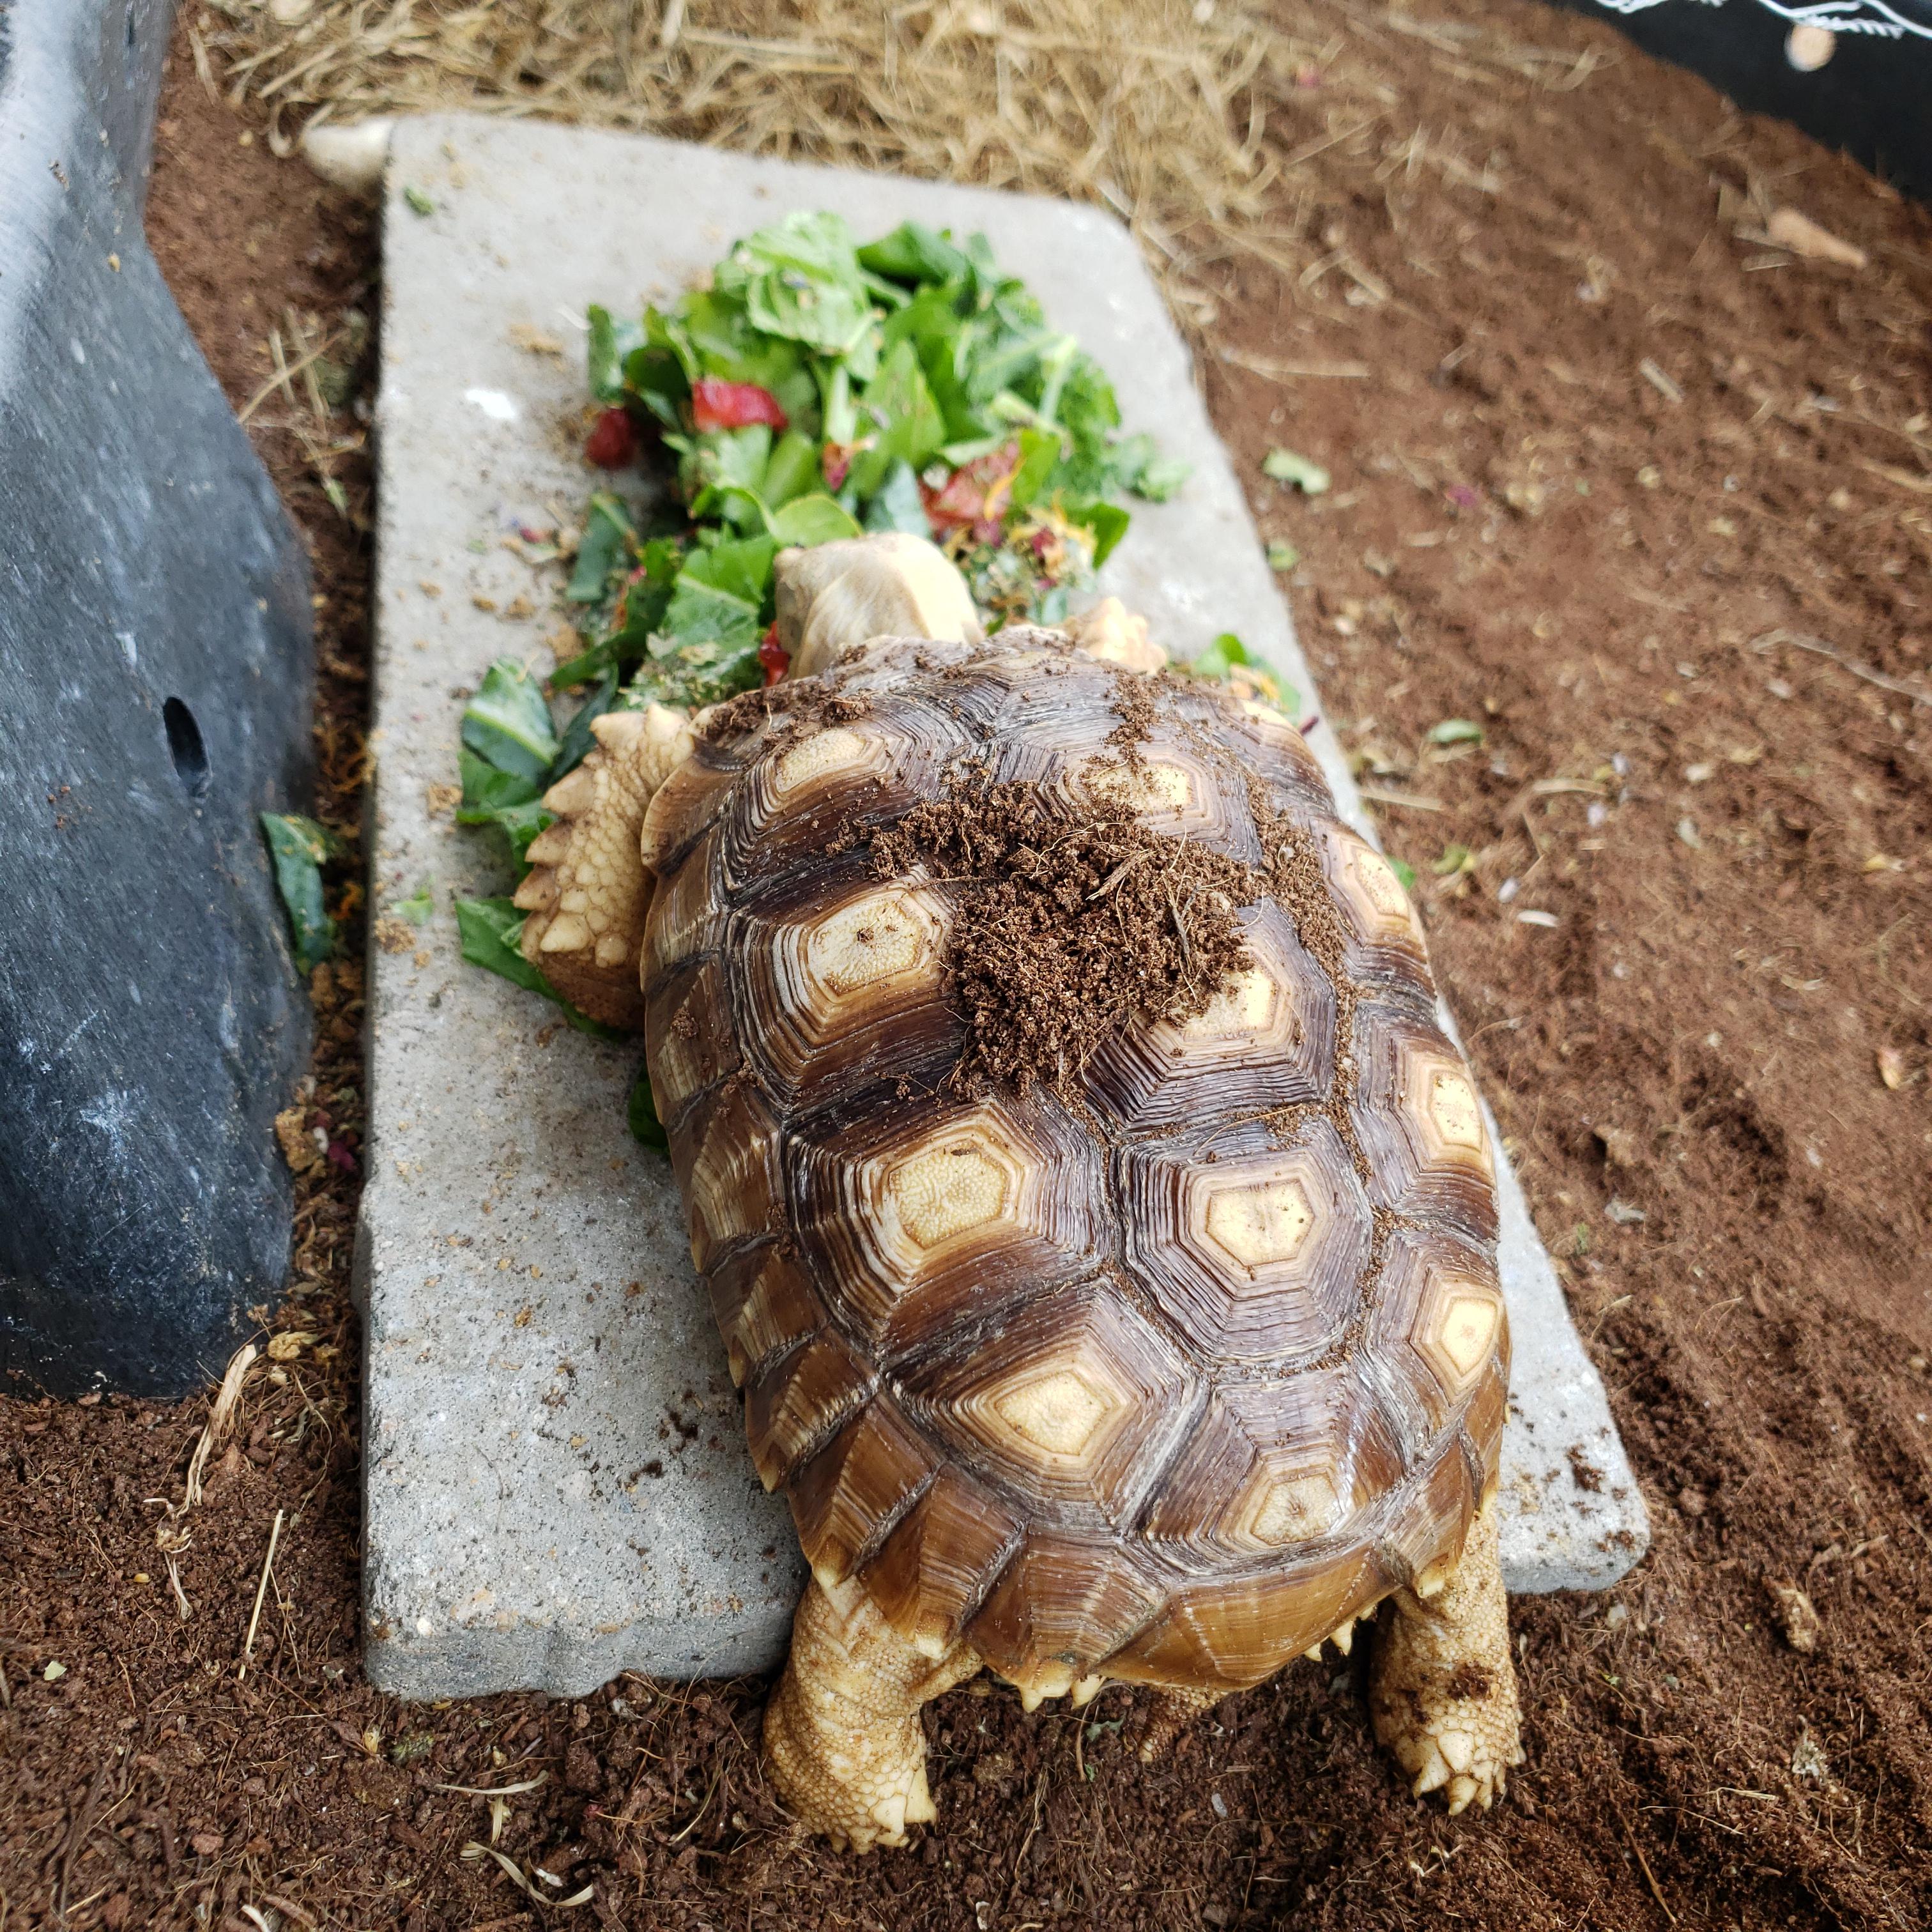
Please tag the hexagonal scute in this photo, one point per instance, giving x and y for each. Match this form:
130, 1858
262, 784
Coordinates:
825, 779
1421, 1123
799, 1401
1275, 1465
1061, 1604
686, 919
843, 985
690, 1043
1075, 1397
924, 1211
1440, 1327
848, 1494
1254, 1249
1234, 1632
765, 1305
724, 1153
1267, 1039
935, 1563
1385, 941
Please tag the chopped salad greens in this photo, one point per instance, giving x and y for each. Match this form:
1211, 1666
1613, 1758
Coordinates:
818, 389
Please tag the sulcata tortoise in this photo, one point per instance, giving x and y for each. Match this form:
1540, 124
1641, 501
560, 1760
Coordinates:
1100, 1225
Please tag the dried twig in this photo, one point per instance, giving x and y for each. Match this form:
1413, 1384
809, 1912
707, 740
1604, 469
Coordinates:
261, 1592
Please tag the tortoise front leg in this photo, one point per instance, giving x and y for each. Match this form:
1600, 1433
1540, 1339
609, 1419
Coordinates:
588, 892
1442, 1691
842, 1736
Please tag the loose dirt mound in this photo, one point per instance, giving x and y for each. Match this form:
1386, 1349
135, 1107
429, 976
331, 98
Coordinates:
1647, 500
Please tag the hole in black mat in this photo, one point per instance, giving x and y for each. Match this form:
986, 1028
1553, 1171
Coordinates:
185, 748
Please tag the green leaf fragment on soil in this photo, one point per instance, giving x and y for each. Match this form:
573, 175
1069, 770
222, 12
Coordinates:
1455, 731
419, 200
299, 847
1297, 471
1282, 555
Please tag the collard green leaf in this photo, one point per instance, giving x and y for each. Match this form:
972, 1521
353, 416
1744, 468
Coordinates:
897, 505
489, 930
609, 343
1107, 522
913, 253
812, 520
487, 790
742, 566
508, 722
298, 847
575, 744
607, 542
794, 470
1039, 456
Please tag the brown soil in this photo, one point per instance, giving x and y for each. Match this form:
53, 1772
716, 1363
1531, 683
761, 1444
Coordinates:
1070, 925
1702, 758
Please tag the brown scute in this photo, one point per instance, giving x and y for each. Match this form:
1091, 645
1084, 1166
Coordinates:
1070, 927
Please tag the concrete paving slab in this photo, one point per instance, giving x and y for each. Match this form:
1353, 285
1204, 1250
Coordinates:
557, 1486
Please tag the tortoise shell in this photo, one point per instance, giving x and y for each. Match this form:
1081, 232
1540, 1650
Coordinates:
1160, 1378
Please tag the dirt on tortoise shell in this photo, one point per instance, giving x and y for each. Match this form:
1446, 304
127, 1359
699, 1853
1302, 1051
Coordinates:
1648, 502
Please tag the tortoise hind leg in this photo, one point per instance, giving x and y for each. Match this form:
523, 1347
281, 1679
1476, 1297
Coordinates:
587, 892
1442, 1691
842, 1736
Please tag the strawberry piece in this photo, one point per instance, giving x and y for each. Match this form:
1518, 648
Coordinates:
613, 440
773, 655
716, 404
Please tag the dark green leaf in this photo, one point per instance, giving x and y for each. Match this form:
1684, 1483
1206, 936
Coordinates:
489, 929
913, 253
578, 740
487, 790
897, 504
793, 470
608, 541
742, 567
298, 846
1404, 872
812, 520
1039, 456
646, 1127
508, 722
610, 346
1107, 521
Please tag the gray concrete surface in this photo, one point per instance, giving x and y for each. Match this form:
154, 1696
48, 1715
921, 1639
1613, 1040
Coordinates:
538, 1346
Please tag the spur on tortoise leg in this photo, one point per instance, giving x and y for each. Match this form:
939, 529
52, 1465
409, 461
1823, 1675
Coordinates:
1162, 1368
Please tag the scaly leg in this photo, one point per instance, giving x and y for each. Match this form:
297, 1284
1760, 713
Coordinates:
588, 891
1173, 1708
1442, 1692
842, 1737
